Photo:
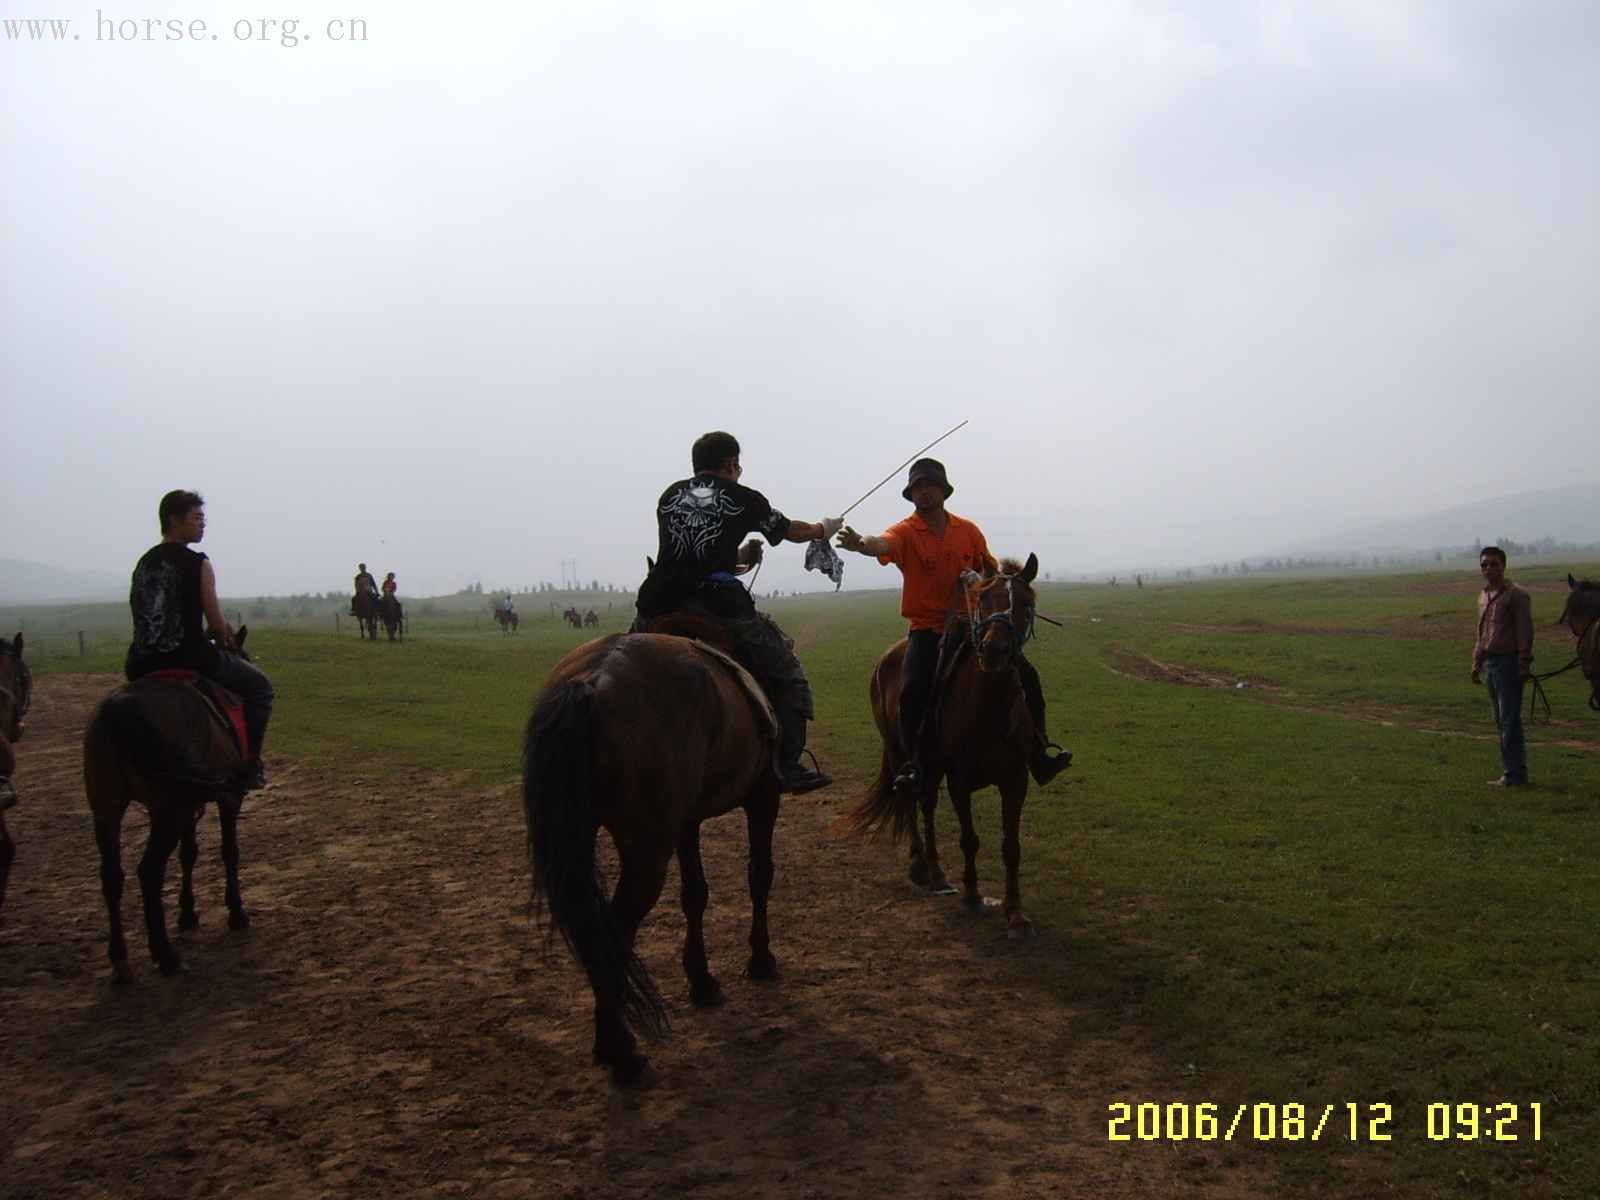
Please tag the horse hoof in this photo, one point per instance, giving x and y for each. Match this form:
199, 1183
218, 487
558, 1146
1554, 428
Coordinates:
238, 919
974, 904
188, 921
634, 1071
1021, 930
170, 965
762, 967
121, 974
707, 995
919, 874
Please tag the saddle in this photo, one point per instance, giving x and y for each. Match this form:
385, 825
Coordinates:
225, 707
766, 715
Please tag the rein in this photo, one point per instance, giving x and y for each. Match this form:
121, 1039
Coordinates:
1537, 695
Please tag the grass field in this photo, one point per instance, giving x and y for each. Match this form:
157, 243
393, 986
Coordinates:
1296, 891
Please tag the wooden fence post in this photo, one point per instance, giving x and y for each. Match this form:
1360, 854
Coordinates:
335, 623
81, 650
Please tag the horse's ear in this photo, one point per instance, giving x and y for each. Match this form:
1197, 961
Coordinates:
240, 634
17, 643
649, 564
1571, 583
1030, 568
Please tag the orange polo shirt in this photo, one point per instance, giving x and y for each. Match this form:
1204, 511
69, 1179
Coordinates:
931, 565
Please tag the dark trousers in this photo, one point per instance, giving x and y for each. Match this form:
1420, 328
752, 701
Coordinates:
1503, 675
917, 680
251, 686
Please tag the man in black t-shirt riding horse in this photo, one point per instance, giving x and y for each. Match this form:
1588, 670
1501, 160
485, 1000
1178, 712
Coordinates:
702, 522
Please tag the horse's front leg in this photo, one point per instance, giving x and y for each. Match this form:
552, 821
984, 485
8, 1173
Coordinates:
704, 990
228, 812
152, 873
761, 816
188, 851
961, 801
1012, 794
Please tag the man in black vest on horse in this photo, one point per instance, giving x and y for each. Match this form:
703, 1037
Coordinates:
173, 588
701, 522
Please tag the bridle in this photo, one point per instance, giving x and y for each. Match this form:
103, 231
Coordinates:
1020, 632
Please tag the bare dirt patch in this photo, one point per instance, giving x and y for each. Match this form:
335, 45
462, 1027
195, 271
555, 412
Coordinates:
389, 1027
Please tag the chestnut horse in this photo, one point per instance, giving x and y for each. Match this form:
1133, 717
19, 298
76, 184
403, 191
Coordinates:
645, 735
984, 734
158, 742
16, 694
1582, 616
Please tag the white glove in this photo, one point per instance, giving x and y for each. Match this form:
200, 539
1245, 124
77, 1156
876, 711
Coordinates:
969, 577
831, 526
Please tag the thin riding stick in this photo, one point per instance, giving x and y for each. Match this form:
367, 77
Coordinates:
902, 467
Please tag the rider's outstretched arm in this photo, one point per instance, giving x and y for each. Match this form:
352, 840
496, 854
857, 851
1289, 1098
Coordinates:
875, 547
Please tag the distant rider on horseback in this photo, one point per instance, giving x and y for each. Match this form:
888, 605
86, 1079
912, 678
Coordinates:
365, 584
390, 587
701, 522
173, 588
932, 547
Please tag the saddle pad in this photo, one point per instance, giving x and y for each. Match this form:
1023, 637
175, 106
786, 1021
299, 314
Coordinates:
226, 707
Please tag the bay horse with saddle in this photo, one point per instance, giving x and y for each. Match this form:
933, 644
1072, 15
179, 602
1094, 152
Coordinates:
171, 741
366, 607
16, 695
605, 749
979, 733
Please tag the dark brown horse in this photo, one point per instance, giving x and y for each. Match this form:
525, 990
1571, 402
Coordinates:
393, 616
984, 734
507, 621
365, 607
606, 750
573, 617
591, 619
16, 694
157, 742
1582, 616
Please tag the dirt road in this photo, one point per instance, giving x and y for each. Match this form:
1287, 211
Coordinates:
389, 1025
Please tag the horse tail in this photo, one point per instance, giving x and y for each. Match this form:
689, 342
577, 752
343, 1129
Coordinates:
122, 726
557, 801
883, 808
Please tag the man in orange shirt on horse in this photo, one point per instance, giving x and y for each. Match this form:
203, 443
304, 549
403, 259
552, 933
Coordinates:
932, 548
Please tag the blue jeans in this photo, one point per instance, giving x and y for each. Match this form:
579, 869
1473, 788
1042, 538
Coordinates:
1502, 673
251, 686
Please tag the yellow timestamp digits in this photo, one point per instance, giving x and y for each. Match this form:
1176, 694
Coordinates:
1263, 1121
1489, 1121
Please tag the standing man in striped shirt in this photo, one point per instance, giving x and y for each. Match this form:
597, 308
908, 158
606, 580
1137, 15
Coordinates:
1503, 658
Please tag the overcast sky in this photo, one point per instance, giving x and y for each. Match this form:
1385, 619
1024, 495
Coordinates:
1207, 278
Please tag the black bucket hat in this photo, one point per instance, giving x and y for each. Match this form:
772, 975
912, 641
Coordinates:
927, 468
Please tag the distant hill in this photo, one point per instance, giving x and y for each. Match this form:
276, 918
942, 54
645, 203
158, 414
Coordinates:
1566, 514
38, 583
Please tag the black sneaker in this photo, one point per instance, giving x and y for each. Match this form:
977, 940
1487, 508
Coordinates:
8, 795
255, 777
1046, 766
